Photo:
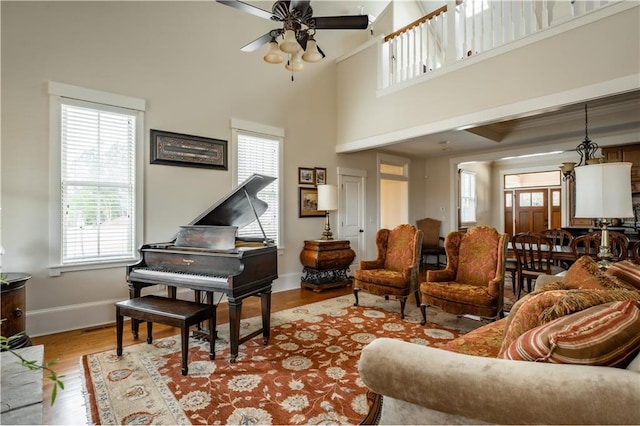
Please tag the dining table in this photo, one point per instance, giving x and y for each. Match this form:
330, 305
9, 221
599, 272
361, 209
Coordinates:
559, 253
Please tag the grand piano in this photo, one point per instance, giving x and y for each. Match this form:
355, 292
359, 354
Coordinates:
206, 256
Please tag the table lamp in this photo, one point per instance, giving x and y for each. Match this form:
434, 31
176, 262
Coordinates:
327, 201
603, 191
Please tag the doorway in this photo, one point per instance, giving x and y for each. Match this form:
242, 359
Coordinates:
532, 202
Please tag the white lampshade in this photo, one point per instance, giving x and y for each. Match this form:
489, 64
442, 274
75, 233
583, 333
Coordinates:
604, 191
312, 54
290, 44
327, 197
273, 55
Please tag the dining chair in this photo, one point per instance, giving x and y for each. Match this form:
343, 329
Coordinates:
634, 255
432, 242
533, 256
560, 238
619, 246
587, 244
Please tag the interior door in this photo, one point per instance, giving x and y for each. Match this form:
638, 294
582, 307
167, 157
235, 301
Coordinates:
531, 212
352, 215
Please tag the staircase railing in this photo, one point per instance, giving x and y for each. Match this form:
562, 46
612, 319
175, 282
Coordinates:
442, 37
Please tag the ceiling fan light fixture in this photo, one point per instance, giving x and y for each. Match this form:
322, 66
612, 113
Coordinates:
312, 54
273, 55
295, 63
290, 44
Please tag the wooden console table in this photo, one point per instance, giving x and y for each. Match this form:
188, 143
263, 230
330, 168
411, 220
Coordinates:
326, 264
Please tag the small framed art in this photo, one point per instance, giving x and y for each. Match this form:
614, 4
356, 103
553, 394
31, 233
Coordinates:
321, 175
308, 203
306, 176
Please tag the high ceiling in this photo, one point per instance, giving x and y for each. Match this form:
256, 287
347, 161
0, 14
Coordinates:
607, 117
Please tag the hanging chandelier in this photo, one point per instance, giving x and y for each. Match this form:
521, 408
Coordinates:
586, 149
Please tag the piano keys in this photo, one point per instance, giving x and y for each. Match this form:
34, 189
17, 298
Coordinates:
203, 260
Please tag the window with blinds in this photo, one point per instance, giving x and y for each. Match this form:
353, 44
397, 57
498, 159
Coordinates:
468, 197
259, 153
97, 183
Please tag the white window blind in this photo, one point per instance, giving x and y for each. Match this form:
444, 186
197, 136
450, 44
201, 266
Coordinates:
258, 153
98, 160
467, 197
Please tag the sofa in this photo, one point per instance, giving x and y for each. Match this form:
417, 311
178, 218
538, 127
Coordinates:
486, 376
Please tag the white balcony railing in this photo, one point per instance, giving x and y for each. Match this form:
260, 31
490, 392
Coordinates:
442, 38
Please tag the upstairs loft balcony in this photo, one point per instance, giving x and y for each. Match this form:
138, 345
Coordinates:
462, 29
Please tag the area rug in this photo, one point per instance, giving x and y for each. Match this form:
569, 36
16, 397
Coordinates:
307, 374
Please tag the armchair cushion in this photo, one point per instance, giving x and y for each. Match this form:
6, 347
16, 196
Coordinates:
606, 335
384, 277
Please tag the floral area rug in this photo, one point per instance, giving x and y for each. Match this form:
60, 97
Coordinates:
307, 374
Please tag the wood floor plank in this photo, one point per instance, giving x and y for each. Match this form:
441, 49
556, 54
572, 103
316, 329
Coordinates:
66, 350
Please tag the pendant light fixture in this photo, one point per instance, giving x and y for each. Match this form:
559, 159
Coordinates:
587, 150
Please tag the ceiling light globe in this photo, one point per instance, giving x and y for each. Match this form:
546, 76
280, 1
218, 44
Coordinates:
312, 54
295, 63
273, 55
290, 44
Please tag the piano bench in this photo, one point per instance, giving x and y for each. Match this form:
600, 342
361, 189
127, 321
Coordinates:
172, 312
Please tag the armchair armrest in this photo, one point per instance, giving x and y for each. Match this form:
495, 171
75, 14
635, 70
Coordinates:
497, 390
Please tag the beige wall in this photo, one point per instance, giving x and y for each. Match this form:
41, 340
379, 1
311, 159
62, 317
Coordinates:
183, 58
596, 59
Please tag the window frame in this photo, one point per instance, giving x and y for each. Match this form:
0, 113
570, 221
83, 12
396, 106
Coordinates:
268, 132
59, 94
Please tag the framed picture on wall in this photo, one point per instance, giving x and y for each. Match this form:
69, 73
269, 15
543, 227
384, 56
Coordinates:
308, 203
306, 176
176, 149
321, 175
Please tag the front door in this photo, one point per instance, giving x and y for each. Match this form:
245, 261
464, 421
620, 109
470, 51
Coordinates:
530, 210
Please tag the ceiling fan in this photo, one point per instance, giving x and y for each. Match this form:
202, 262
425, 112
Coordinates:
298, 30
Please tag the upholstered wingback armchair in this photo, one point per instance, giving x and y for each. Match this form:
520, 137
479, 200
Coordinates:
473, 281
395, 271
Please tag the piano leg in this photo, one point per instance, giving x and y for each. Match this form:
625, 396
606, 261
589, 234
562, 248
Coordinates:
235, 311
265, 298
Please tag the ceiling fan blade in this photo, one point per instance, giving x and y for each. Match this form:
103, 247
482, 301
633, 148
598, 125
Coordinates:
353, 22
247, 8
257, 43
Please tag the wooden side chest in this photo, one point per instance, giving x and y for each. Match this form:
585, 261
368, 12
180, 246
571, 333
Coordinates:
326, 264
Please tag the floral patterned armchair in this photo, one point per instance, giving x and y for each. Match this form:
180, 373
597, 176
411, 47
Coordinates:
395, 271
473, 281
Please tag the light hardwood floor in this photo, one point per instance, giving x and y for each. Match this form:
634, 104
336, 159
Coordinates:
66, 349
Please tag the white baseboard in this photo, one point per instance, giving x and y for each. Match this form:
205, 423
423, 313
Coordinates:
95, 314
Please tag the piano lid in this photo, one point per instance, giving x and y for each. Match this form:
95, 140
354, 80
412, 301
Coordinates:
237, 207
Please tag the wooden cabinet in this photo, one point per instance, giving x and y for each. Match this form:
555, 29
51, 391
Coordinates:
326, 264
14, 309
628, 153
